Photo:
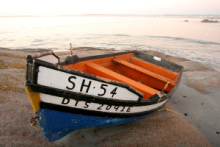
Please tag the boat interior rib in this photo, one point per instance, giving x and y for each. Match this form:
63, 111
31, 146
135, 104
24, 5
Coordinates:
143, 76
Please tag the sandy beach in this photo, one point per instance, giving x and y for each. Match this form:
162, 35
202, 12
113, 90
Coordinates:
196, 101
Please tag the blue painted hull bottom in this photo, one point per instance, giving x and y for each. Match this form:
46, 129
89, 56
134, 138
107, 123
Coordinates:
56, 124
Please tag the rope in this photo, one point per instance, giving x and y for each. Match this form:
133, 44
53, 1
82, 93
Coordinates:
160, 94
165, 87
159, 99
36, 127
166, 109
34, 123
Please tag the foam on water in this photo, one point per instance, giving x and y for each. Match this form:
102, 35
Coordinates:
191, 55
199, 41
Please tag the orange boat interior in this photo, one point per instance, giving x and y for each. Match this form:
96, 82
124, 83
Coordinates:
143, 76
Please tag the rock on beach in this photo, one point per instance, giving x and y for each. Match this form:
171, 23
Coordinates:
209, 21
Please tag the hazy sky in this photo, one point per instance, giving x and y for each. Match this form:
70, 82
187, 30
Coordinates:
75, 7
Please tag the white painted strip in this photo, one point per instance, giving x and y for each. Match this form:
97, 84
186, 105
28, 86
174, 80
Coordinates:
61, 80
49, 58
97, 107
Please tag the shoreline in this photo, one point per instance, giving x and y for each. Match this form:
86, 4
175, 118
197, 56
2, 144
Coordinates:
196, 99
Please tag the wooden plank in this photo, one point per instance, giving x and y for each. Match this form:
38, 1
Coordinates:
106, 73
154, 68
103, 61
144, 71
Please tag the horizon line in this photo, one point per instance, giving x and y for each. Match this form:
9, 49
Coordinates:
69, 15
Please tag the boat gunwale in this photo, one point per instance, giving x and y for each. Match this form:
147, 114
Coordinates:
68, 109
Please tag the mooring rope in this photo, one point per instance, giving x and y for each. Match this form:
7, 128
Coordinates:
37, 127
166, 109
34, 123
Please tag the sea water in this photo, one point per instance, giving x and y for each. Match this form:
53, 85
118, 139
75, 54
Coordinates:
172, 35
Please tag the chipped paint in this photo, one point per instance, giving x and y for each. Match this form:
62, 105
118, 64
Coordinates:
34, 97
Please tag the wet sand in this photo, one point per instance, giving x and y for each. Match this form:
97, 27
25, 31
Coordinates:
196, 100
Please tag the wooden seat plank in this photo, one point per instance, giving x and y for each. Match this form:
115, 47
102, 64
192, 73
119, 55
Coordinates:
154, 68
144, 71
98, 70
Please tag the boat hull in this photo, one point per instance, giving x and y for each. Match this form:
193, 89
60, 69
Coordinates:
57, 124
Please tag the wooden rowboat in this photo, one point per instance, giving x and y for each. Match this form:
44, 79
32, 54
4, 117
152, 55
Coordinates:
97, 91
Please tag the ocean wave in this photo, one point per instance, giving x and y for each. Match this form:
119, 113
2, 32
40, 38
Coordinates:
124, 47
200, 41
191, 55
101, 35
38, 40
120, 35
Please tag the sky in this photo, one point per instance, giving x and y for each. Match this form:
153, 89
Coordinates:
138, 7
